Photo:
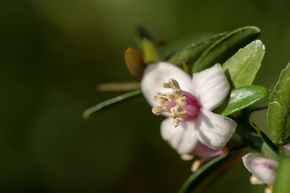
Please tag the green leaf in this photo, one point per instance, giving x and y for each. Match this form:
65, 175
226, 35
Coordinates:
149, 51
170, 48
266, 139
244, 65
210, 171
225, 47
110, 103
251, 138
283, 175
189, 54
243, 97
140, 33
279, 109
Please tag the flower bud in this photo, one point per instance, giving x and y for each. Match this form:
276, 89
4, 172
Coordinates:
134, 63
261, 167
149, 51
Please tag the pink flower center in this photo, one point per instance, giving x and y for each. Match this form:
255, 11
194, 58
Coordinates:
191, 106
181, 105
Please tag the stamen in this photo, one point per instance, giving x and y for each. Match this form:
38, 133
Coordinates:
166, 85
170, 96
163, 100
174, 102
180, 107
178, 110
177, 121
157, 110
177, 93
174, 84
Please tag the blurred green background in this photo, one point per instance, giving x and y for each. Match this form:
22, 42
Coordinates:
55, 52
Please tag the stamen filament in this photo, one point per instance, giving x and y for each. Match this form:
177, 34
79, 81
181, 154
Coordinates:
176, 112
175, 102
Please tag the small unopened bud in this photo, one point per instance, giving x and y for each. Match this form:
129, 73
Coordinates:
149, 51
134, 63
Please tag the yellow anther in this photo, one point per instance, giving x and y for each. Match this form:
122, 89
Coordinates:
170, 96
180, 108
162, 99
177, 122
178, 99
157, 110
166, 85
174, 84
177, 92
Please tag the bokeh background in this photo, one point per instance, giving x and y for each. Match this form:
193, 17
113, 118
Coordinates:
55, 52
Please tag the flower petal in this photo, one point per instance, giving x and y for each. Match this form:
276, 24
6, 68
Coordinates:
157, 74
287, 146
211, 86
214, 130
182, 138
261, 167
203, 151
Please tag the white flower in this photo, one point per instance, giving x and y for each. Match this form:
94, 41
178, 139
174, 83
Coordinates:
188, 103
262, 167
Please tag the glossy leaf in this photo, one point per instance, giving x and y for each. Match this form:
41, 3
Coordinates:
134, 63
243, 97
283, 175
209, 172
189, 54
251, 138
149, 51
171, 48
279, 108
266, 139
225, 47
244, 65
110, 103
